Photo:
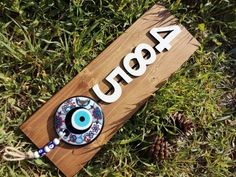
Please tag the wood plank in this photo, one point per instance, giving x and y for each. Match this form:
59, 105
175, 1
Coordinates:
39, 127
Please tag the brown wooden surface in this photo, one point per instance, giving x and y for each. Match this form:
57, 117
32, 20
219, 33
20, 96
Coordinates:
70, 159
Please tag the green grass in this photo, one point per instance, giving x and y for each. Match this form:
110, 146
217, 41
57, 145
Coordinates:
45, 44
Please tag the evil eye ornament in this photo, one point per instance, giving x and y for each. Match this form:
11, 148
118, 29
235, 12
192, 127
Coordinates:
80, 118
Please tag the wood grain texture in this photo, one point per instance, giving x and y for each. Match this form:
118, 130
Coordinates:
39, 127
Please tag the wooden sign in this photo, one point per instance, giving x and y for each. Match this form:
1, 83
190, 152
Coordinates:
120, 79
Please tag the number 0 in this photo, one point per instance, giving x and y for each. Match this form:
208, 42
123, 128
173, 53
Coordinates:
140, 59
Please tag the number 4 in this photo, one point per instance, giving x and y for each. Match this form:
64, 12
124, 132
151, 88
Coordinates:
164, 43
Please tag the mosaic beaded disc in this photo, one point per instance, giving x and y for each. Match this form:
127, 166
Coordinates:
81, 118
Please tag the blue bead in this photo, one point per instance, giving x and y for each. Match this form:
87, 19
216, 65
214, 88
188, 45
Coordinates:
51, 145
41, 152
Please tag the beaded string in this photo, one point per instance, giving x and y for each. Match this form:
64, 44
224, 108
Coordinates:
13, 154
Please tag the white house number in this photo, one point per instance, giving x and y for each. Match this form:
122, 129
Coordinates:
164, 43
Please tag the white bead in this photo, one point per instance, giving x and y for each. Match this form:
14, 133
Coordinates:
61, 134
46, 148
56, 141
36, 154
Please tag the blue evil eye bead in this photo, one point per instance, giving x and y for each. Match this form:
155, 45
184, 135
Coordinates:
41, 152
80, 119
51, 145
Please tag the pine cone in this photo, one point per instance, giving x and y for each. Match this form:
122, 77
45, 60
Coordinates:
160, 149
229, 100
182, 123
